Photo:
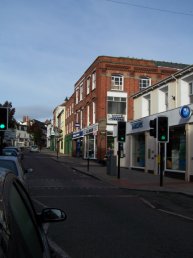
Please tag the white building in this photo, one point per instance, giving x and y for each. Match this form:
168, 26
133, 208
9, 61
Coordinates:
171, 97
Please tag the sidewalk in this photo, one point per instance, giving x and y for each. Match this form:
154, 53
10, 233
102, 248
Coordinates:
130, 179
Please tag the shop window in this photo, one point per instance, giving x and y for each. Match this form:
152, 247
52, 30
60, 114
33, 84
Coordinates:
176, 149
116, 105
144, 82
138, 150
117, 82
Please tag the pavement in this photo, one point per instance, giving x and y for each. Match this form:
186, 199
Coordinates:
130, 179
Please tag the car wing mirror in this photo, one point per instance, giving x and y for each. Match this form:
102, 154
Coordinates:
52, 215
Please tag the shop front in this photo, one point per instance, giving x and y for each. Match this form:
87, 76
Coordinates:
144, 150
90, 142
77, 138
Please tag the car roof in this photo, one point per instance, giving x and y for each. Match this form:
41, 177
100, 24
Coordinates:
13, 158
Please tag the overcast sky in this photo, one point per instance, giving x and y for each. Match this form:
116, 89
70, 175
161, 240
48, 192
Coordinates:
46, 45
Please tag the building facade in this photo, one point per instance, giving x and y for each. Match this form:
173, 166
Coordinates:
171, 97
102, 96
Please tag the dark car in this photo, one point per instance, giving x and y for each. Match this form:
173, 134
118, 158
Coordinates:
21, 228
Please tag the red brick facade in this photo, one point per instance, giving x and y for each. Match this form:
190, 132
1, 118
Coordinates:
94, 92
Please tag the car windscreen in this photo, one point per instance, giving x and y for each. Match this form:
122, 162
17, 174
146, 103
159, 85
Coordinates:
9, 164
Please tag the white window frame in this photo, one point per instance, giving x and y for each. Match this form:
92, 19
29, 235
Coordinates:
81, 91
117, 81
144, 82
94, 112
191, 91
88, 85
88, 115
94, 80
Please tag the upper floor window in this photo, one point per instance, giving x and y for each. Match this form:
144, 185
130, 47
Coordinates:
116, 105
77, 95
144, 82
146, 105
191, 91
81, 92
117, 82
163, 99
93, 80
88, 86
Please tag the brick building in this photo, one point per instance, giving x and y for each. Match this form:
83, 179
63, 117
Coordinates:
102, 97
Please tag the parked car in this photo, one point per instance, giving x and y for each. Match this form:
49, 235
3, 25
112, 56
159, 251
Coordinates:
34, 148
21, 228
12, 163
20, 153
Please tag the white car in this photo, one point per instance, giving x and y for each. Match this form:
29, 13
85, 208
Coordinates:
34, 148
12, 163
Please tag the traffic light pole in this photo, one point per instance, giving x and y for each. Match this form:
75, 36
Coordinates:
162, 155
119, 160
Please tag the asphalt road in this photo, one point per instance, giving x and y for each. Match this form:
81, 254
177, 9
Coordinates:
107, 222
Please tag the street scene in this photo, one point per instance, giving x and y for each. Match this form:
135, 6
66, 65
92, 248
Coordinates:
105, 218
96, 129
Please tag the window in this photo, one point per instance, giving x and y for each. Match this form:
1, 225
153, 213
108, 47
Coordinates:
88, 115
144, 82
93, 80
116, 105
81, 92
117, 82
94, 112
147, 105
191, 91
77, 96
164, 98
88, 86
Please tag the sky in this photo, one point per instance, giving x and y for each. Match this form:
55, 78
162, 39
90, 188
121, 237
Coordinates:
46, 45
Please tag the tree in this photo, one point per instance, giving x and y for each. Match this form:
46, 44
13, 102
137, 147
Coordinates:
12, 123
35, 129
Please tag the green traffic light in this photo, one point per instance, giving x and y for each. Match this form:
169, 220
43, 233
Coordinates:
2, 126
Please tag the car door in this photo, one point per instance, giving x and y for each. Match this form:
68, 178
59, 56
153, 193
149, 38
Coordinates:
26, 234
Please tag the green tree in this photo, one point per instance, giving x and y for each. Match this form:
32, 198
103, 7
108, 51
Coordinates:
36, 131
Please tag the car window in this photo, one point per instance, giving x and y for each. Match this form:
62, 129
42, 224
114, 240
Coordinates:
24, 224
9, 164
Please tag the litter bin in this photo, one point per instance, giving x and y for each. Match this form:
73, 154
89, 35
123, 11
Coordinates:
111, 165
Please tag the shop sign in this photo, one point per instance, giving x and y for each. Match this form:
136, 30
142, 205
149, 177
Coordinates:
90, 129
77, 134
185, 112
137, 125
116, 117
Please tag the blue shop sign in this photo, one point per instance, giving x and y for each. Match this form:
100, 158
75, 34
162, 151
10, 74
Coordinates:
137, 125
77, 135
185, 112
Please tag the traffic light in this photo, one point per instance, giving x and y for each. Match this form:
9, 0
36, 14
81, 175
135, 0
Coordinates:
121, 131
163, 130
3, 118
153, 127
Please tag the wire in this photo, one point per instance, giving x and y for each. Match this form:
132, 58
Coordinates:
150, 8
